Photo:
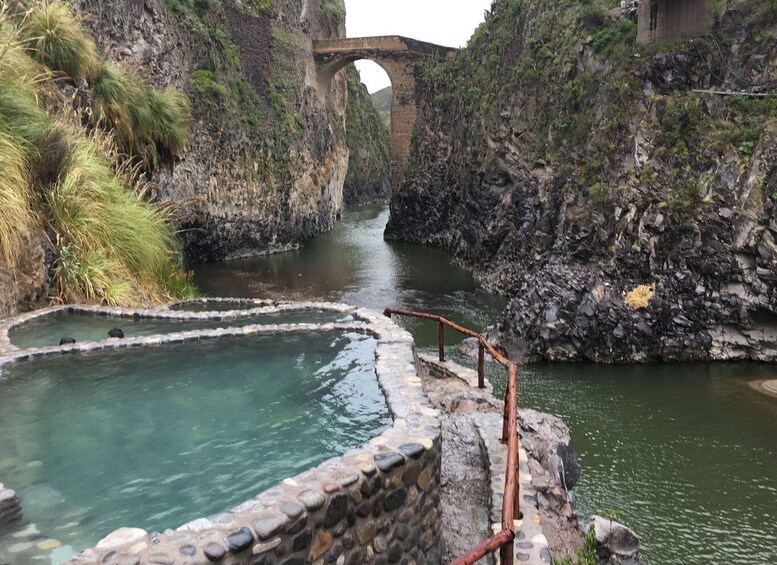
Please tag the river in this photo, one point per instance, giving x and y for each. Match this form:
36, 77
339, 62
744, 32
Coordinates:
684, 454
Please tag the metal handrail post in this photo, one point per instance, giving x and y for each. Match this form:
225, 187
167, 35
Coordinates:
441, 341
481, 366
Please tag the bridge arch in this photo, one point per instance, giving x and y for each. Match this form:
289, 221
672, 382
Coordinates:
399, 57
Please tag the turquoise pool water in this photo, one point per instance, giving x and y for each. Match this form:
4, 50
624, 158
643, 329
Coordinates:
87, 327
158, 437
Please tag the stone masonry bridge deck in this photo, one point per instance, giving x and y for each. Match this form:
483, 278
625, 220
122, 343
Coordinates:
400, 57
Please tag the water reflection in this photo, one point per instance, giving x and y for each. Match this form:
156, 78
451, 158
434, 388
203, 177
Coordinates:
353, 264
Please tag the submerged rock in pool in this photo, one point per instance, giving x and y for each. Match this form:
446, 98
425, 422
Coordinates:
121, 537
10, 508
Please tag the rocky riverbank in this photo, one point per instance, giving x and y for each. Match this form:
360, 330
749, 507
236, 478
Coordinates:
629, 216
471, 422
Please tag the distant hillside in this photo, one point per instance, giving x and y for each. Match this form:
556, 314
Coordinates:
382, 102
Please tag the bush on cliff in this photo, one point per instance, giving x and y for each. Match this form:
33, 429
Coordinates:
59, 179
146, 120
57, 39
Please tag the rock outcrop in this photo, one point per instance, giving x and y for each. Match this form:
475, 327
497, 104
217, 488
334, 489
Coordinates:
27, 286
614, 541
629, 216
267, 159
555, 469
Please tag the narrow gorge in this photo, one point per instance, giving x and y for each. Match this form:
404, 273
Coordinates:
258, 307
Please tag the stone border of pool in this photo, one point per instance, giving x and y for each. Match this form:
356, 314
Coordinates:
262, 307
379, 503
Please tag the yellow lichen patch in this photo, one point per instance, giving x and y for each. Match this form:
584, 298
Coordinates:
640, 296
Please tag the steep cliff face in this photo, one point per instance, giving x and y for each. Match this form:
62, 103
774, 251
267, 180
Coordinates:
369, 141
267, 159
629, 217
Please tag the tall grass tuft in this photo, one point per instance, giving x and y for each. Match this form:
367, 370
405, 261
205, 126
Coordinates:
144, 119
57, 39
56, 179
102, 222
171, 115
17, 221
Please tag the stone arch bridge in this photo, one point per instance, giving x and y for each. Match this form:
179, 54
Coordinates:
400, 58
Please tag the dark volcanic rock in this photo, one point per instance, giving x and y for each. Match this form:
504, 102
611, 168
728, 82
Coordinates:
613, 538
388, 461
240, 540
569, 221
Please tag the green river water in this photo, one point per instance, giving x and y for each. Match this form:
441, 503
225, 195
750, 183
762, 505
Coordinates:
684, 454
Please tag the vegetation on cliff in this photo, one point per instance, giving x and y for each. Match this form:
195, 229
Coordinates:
571, 84
581, 166
266, 162
382, 102
369, 143
66, 179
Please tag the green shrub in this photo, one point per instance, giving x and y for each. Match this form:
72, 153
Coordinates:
202, 7
120, 97
170, 118
598, 192
145, 119
56, 38
739, 101
603, 38
746, 148
111, 90
593, 17
207, 90
515, 7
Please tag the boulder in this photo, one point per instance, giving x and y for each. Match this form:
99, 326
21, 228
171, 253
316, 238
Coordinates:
613, 538
10, 509
547, 439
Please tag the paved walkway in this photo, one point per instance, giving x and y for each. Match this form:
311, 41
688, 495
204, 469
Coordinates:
474, 467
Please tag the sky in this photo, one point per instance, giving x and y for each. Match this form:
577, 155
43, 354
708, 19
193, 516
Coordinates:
445, 22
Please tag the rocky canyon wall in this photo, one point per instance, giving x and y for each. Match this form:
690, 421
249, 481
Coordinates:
629, 216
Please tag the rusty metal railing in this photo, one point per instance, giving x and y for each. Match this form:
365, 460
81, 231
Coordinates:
503, 540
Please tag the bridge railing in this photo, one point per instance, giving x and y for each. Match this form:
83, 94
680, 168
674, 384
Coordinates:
502, 541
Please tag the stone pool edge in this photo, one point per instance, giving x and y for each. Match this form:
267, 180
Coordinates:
383, 498
262, 307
